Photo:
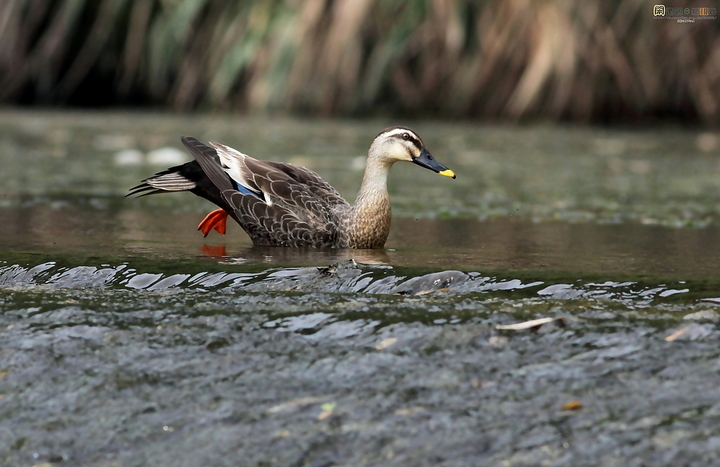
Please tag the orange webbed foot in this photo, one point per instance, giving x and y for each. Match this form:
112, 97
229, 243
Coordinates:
215, 220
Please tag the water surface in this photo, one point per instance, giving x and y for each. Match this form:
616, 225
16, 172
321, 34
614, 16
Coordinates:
126, 338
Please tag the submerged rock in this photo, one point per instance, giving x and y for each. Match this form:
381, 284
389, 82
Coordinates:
430, 282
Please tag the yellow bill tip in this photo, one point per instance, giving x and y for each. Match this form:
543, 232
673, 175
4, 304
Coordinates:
448, 173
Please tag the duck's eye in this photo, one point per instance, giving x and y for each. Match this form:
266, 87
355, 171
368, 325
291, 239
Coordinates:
406, 136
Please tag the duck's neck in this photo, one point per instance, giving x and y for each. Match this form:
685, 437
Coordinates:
371, 215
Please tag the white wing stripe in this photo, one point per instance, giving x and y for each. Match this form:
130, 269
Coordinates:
233, 160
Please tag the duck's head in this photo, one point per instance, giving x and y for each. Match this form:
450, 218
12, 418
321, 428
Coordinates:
399, 143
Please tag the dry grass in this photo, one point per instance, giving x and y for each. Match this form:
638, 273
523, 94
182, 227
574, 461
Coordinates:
513, 59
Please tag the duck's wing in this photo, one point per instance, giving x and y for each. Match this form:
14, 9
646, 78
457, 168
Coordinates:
276, 203
312, 181
209, 161
276, 180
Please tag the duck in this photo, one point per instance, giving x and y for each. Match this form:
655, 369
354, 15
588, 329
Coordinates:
281, 204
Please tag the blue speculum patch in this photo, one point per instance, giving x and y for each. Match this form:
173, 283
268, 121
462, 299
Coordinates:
247, 191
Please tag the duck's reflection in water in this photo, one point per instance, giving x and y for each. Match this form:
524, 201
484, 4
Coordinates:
282, 255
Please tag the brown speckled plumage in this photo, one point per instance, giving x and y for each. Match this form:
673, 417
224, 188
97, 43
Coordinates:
280, 204
370, 226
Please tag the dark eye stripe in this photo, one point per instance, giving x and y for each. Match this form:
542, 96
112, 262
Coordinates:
414, 141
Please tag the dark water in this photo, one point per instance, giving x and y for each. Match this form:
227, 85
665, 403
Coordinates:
126, 339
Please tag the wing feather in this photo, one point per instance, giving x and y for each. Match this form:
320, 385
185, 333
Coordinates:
298, 208
209, 161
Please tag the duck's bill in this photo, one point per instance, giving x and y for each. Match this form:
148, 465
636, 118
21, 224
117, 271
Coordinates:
425, 159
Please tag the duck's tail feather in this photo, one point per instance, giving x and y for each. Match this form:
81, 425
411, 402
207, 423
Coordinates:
162, 182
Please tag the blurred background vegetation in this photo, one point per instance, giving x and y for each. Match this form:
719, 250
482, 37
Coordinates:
589, 60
